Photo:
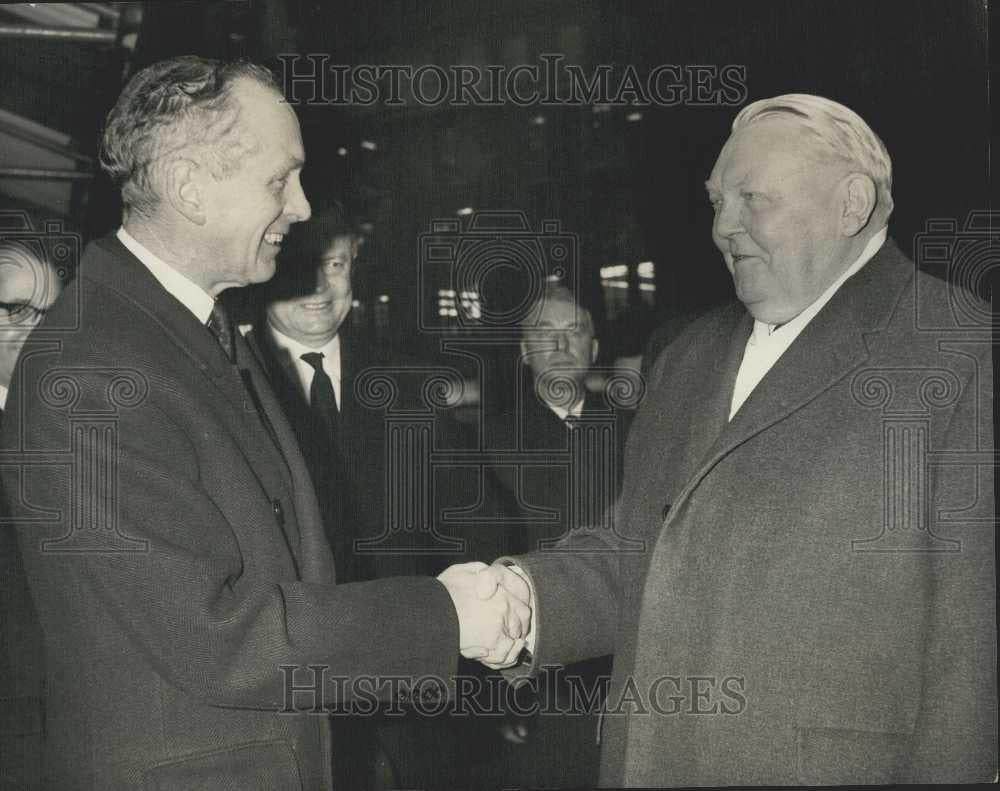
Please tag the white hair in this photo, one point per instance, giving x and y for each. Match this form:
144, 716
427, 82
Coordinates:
837, 130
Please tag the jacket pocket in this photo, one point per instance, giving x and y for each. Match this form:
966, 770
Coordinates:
260, 766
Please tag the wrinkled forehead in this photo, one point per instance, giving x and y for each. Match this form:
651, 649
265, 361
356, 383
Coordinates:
341, 246
561, 314
265, 114
775, 144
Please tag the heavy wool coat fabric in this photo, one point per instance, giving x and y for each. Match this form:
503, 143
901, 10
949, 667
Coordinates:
164, 662
788, 610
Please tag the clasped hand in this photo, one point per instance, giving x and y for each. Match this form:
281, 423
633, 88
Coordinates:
494, 616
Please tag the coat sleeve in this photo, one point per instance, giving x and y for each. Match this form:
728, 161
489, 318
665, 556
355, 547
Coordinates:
578, 584
576, 592
210, 613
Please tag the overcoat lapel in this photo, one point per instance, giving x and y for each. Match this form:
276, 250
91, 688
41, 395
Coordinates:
835, 343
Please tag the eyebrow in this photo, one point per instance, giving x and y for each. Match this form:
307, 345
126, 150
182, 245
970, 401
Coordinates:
290, 164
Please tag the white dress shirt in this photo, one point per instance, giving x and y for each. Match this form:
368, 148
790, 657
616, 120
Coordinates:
562, 413
300, 370
187, 292
3, 396
767, 342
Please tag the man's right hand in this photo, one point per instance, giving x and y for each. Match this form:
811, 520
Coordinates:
493, 614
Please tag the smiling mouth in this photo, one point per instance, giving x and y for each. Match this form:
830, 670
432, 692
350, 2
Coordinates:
317, 306
274, 238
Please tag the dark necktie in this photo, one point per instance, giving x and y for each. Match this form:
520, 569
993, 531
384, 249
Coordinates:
220, 326
322, 398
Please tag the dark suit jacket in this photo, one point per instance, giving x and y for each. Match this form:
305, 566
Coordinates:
352, 470
549, 471
333, 464
555, 465
188, 564
22, 665
832, 651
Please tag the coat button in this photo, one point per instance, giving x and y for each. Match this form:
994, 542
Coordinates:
279, 513
665, 512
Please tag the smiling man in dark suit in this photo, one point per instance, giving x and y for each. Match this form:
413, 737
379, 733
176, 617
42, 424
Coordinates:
311, 365
806, 592
170, 530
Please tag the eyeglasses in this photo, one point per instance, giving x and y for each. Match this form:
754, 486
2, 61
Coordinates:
20, 313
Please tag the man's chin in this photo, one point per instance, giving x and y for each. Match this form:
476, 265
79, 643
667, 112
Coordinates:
265, 269
766, 312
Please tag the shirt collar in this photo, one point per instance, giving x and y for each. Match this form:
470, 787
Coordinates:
330, 350
762, 331
187, 292
562, 413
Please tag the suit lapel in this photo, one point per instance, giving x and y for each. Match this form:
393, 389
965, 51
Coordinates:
350, 412
297, 430
127, 276
315, 560
263, 432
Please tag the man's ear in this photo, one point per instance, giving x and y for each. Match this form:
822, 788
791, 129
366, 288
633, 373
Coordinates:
594, 348
184, 191
860, 197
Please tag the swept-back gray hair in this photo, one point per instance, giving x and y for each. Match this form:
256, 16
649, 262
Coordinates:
837, 131
180, 104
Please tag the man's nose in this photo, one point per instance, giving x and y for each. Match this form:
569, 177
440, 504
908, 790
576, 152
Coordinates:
322, 280
728, 220
297, 206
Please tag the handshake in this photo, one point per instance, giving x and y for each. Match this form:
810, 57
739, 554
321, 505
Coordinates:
493, 604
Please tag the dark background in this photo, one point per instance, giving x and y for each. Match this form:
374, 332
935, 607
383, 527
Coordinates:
630, 191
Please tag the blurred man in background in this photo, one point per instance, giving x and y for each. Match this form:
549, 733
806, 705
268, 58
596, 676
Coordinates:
311, 363
29, 286
315, 360
577, 436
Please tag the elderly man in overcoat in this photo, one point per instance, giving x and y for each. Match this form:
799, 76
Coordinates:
800, 587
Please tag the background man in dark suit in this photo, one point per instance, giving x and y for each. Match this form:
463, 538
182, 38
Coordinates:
311, 366
314, 362
578, 436
170, 531
29, 285
811, 480
558, 351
